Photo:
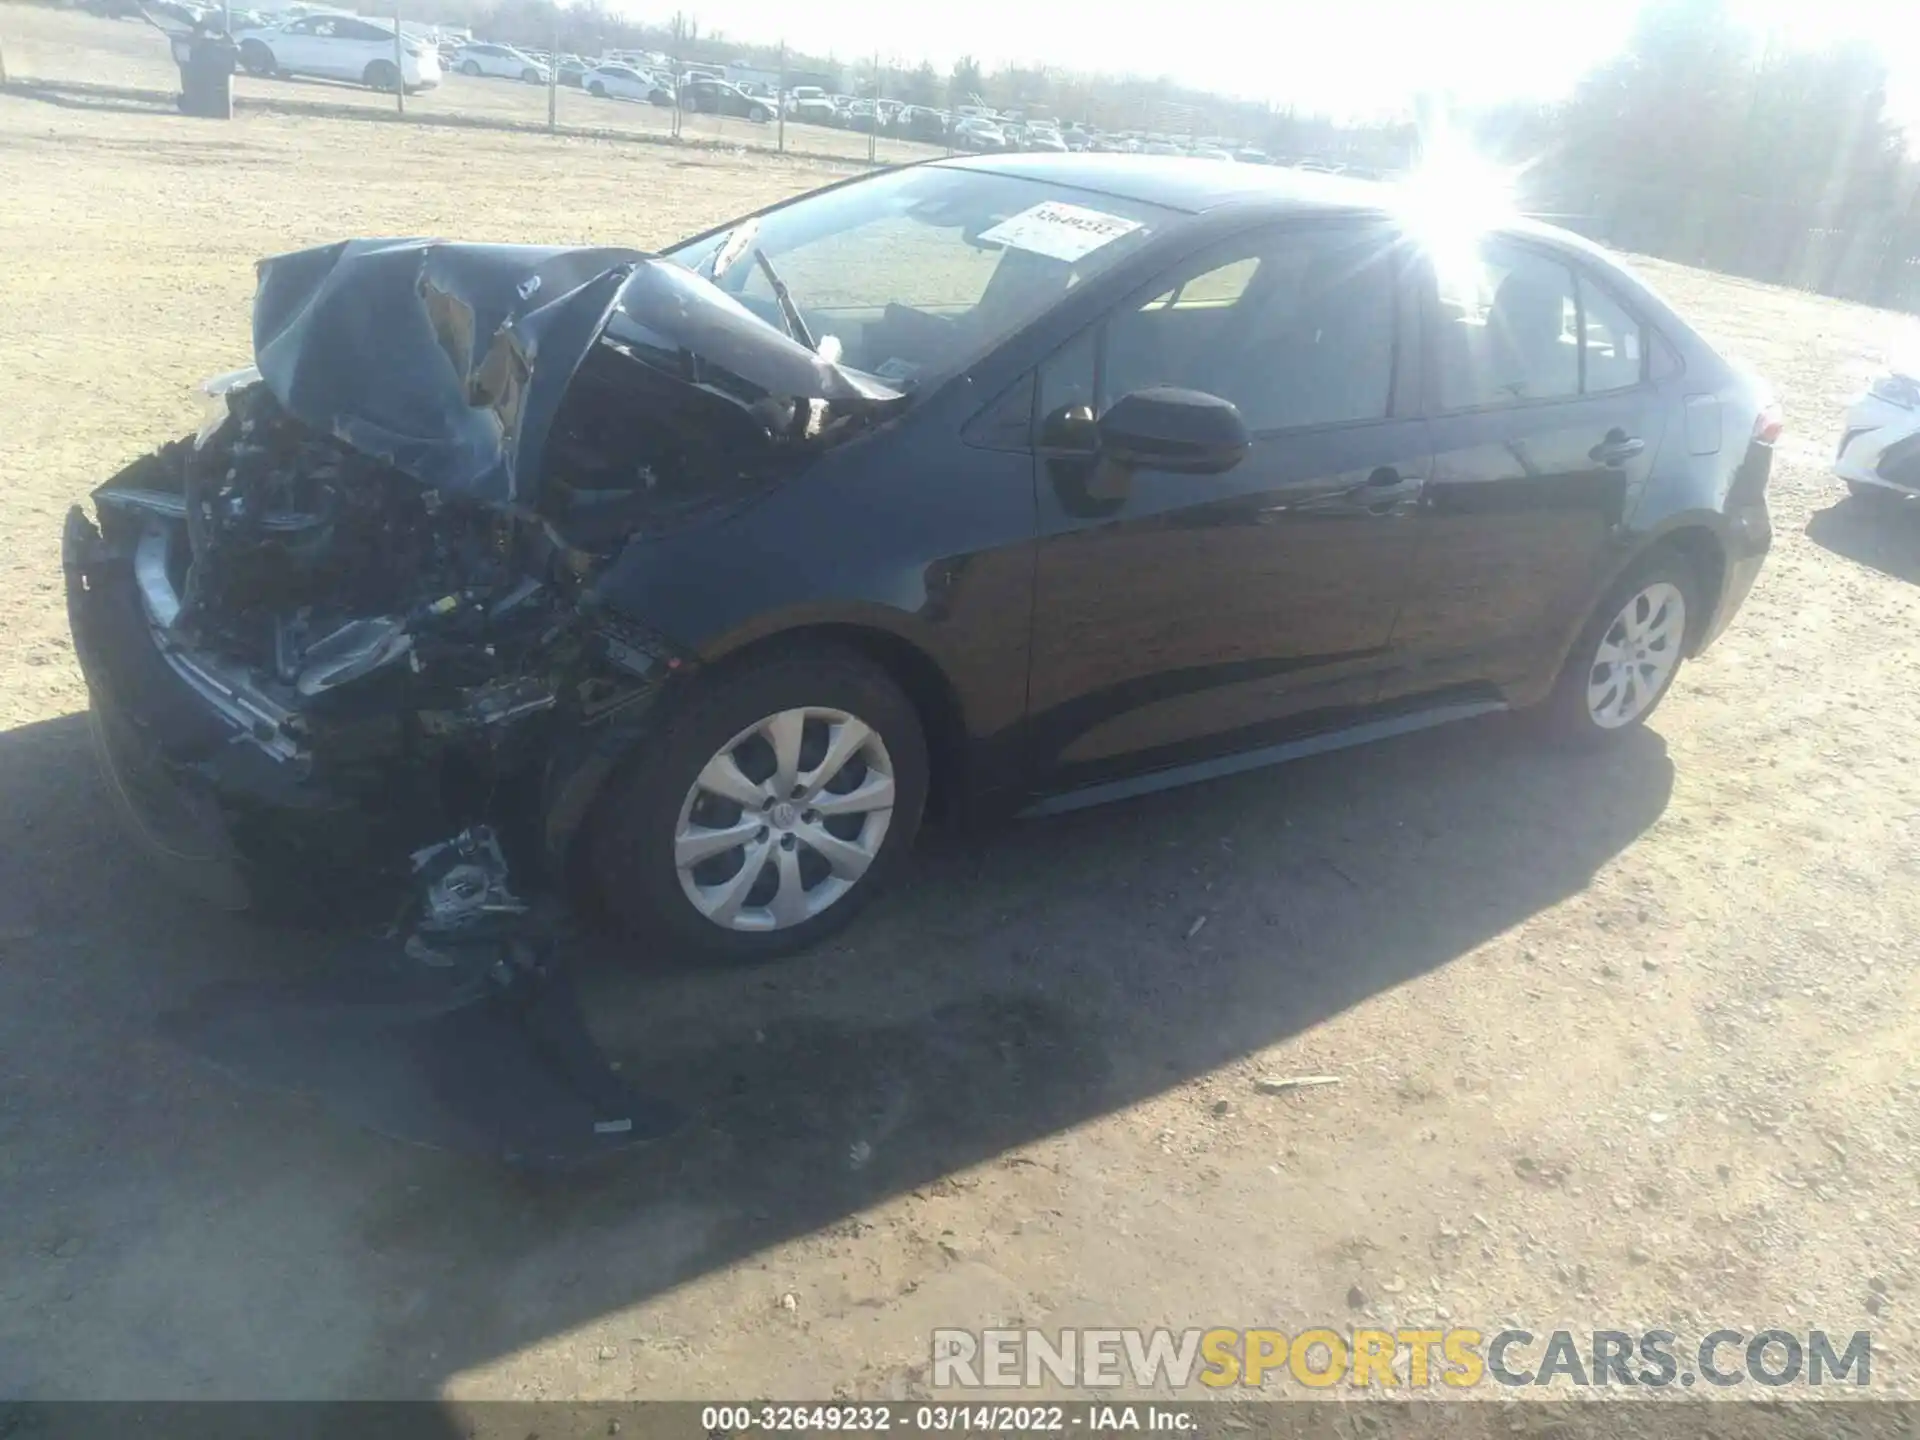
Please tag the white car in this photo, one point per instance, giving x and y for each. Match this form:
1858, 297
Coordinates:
1879, 455
809, 104
973, 133
623, 82
482, 58
339, 47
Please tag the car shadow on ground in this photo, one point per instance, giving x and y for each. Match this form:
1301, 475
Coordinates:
1880, 533
1013, 986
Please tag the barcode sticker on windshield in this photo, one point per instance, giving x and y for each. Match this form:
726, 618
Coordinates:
1059, 231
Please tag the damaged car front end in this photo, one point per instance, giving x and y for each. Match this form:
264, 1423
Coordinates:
358, 613
348, 649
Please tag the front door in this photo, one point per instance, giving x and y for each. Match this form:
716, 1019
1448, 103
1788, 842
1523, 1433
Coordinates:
1181, 616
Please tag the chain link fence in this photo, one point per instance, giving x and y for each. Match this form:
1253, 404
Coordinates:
90, 54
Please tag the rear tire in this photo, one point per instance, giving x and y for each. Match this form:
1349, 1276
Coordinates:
1627, 654
646, 847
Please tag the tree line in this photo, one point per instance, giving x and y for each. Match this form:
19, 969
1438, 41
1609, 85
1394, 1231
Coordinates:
1699, 141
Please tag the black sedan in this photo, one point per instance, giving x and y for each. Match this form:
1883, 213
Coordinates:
992, 485
717, 97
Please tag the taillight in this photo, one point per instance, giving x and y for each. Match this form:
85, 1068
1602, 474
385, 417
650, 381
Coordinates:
1771, 421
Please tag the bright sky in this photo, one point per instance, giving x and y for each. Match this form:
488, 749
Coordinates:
1341, 57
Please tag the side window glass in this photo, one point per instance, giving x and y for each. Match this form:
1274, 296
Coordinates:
1298, 333
1614, 345
1223, 285
1506, 329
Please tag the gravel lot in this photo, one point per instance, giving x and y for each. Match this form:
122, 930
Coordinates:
1625, 1042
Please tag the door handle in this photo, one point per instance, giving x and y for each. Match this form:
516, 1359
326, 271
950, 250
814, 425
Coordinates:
1618, 448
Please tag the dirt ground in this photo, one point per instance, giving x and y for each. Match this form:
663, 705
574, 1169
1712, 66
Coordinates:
1624, 1042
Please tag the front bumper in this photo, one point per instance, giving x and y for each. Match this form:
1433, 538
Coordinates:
239, 807
1880, 446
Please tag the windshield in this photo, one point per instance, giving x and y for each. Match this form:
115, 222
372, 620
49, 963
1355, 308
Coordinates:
915, 274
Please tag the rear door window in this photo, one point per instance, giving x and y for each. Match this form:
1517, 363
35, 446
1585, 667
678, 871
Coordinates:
1613, 343
1507, 328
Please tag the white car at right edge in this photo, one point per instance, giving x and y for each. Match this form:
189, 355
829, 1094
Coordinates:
1879, 454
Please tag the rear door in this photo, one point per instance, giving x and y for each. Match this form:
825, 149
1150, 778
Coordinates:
330, 51
1545, 427
1180, 616
295, 47
359, 45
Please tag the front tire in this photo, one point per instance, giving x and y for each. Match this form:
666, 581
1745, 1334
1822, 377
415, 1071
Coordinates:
1627, 655
256, 58
531, 77
471, 67
597, 89
777, 801
381, 75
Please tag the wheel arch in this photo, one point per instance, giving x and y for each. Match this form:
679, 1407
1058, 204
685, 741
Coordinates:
1705, 553
1697, 539
908, 662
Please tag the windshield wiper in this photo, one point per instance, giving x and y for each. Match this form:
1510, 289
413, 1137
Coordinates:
796, 326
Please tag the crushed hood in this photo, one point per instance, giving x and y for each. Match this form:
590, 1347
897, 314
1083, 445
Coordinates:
449, 361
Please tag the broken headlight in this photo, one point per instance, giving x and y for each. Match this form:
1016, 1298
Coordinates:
215, 390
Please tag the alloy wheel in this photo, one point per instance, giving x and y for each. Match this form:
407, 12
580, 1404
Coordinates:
1638, 653
785, 819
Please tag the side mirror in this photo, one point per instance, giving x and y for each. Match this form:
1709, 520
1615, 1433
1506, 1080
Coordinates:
1186, 431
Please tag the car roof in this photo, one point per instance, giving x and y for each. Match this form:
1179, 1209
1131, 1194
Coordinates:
1194, 185
1180, 182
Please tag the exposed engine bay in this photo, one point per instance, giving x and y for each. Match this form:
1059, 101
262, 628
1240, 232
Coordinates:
347, 619
378, 559
349, 654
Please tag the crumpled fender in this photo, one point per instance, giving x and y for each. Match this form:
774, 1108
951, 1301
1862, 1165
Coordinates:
449, 361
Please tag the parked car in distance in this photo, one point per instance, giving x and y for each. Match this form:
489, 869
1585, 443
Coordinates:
1063, 479
1209, 152
623, 82
1879, 454
809, 105
1044, 138
921, 122
573, 71
974, 133
340, 47
503, 61
717, 97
